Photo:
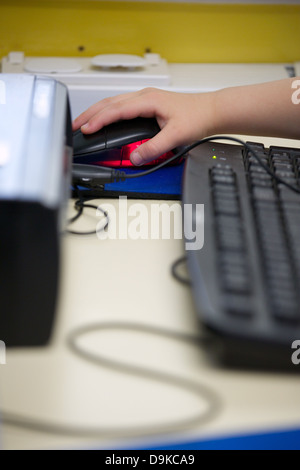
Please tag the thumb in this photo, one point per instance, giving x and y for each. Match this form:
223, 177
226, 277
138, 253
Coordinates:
152, 149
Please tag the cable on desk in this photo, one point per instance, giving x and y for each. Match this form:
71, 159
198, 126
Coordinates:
175, 272
80, 205
202, 391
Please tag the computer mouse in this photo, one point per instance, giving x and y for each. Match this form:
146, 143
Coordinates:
112, 145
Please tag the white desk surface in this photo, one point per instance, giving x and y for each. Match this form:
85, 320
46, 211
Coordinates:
129, 281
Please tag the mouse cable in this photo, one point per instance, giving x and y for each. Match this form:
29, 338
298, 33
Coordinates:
94, 175
175, 272
212, 400
80, 204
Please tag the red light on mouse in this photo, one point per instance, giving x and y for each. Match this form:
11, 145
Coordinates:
128, 149
120, 157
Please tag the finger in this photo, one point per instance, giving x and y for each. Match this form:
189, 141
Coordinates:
166, 140
123, 109
96, 108
84, 117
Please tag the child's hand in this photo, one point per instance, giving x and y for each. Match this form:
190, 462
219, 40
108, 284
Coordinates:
265, 109
183, 118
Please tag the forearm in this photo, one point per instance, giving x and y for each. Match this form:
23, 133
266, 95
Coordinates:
265, 109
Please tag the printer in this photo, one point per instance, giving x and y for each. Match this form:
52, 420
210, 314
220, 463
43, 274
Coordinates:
35, 168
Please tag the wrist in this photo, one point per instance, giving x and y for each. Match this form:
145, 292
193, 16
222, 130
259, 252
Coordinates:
220, 112
210, 114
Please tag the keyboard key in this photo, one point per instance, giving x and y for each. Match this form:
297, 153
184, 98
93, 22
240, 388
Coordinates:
225, 206
262, 183
280, 157
232, 259
285, 310
258, 169
222, 167
287, 194
236, 280
224, 192
234, 283
283, 167
266, 194
230, 240
239, 305
224, 179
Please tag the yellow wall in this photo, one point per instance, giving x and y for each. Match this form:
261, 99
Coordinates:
179, 32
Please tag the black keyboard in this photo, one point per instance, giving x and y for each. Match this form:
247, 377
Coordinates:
246, 278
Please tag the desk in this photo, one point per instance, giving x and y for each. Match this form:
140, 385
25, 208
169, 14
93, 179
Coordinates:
126, 281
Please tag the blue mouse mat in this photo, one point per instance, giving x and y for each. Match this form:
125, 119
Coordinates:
164, 183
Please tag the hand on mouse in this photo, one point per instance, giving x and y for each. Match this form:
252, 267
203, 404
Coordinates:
266, 109
183, 118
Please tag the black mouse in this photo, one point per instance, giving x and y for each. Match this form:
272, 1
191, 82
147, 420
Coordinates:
110, 145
